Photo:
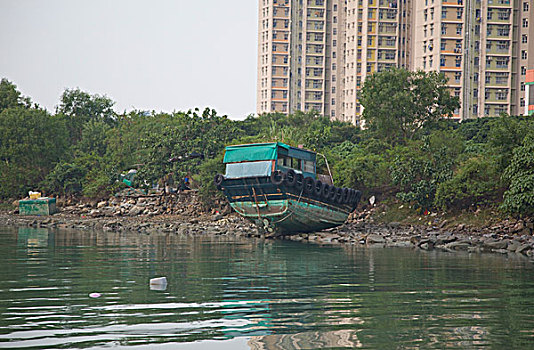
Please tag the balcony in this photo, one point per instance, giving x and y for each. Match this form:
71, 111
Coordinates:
497, 82
498, 51
497, 66
499, 3
499, 18
453, 3
392, 4
387, 30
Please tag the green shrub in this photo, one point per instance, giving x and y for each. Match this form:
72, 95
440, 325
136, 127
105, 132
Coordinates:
519, 198
475, 182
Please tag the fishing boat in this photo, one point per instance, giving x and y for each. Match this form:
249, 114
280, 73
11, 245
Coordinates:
277, 187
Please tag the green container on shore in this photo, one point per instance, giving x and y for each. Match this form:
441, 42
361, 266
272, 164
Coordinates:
40, 206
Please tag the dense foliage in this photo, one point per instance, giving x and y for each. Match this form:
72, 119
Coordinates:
406, 151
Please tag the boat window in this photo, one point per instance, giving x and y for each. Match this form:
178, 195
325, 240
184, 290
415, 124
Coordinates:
284, 161
248, 169
308, 166
296, 164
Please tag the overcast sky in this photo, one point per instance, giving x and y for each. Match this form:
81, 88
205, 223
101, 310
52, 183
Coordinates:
161, 55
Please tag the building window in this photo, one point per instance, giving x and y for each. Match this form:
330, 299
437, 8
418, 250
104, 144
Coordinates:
430, 61
524, 54
522, 102
459, 29
522, 86
442, 61
459, 13
525, 23
523, 70
525, 6
524, 39
443, 13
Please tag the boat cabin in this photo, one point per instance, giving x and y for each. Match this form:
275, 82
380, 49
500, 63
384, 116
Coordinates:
261, 159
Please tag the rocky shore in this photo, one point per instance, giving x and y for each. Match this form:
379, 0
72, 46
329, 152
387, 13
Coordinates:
182, 215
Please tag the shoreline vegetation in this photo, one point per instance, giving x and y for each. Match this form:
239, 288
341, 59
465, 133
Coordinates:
422, 167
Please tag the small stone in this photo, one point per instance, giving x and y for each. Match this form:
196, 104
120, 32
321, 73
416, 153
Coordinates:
427, 246
136, 210
375, 239
523, 248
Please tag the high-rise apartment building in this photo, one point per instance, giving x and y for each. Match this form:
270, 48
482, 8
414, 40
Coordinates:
481, 46
316, 54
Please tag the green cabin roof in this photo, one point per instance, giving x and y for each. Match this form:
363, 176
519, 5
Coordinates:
264, 151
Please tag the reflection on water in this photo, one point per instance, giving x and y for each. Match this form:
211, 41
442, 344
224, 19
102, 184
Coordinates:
253, 294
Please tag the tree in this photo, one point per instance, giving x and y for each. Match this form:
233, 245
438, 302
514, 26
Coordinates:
80, 107
10, 97
31, 143
397, 102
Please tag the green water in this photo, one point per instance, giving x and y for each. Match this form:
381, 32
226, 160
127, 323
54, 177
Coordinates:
252, 294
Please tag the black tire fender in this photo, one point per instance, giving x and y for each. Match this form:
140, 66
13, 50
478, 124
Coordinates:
357, 197
325, 191
332, 195
309, 185
339, 195
218, 180
291, 178
277, 177
299, 182
318, 188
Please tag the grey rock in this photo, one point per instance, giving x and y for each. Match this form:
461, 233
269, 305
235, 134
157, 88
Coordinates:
375, 239
427, 246
523, 248
445, 238
136, 210
513, 246
495, 244
458, 245
394, 224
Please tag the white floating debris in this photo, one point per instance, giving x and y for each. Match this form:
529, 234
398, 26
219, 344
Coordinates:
372, 200
158, 281
95, 295
158, 286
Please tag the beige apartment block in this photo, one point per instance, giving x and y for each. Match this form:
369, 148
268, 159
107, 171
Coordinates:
482, 48
376, 39
315, 54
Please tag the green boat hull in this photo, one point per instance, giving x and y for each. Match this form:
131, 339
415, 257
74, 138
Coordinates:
281, 209
291, 215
